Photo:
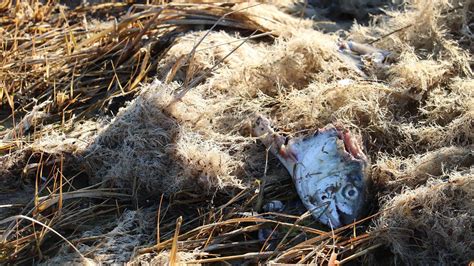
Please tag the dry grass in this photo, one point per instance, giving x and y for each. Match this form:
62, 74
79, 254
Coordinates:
114, 115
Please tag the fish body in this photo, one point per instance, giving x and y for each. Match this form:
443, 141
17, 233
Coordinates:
328, 169
360, 56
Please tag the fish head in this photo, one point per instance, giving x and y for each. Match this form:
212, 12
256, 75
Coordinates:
328, 169
329, 172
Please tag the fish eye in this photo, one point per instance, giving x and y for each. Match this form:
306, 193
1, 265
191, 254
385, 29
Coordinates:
350, 192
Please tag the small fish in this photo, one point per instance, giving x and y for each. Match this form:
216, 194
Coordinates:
328, 169
359, 56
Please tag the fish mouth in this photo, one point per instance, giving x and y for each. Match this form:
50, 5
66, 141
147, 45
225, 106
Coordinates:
338, 217
334, 217
327, 213
344, 218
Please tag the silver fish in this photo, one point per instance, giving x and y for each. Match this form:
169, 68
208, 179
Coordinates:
359, 55
328, 169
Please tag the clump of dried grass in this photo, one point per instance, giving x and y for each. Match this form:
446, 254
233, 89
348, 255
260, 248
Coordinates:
131, 151
418, 76
119, 243
144, 149
392, 173
163, 258
308, 56
365, 104
430, 224
445, 105
275, 19
205, 161
429, 27
112, 242
179, 65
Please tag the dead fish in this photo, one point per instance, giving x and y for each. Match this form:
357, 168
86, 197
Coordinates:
359, 48
362, 55
328, 169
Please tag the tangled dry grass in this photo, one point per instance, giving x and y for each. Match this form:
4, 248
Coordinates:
125, 132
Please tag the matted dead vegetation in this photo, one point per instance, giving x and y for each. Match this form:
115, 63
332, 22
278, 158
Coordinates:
125, 134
